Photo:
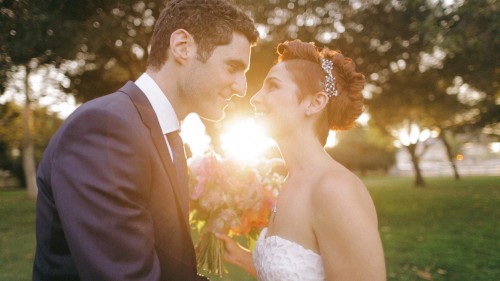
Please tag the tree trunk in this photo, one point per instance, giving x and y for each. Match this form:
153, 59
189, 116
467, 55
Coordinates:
419, 179
28, 146
450, 155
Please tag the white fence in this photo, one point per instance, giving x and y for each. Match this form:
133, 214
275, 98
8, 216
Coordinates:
488, 167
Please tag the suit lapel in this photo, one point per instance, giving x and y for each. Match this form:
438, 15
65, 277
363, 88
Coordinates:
150, 120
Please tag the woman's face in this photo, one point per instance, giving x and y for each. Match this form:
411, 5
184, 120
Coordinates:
276, 103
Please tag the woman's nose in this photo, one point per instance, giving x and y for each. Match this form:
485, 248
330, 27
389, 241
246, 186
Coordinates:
256, 99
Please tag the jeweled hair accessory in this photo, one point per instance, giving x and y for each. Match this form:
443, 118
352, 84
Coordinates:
330, 83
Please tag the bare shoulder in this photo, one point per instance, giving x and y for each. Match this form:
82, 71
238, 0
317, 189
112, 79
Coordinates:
345, 225
337, 184
342, 193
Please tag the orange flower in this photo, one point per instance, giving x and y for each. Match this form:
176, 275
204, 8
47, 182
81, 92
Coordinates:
230, 197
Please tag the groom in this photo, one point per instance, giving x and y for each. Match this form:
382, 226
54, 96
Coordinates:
112, 200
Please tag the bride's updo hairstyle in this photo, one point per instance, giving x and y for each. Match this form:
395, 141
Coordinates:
303, 61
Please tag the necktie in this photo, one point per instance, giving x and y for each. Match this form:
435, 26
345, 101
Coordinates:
179, 159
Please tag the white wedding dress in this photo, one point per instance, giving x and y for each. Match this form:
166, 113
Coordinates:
278, 259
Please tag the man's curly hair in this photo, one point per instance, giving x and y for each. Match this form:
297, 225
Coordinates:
210, 22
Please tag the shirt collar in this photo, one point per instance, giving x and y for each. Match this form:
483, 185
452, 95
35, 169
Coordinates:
161, 105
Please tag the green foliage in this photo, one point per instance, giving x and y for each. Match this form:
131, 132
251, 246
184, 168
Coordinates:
46, 124
359, 151
10, 140
113, 46
11, 125
434, 45
472, 39
388, 40
11, 135
110, 40
32, 33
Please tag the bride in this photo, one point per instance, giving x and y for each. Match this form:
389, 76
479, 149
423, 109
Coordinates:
324, 224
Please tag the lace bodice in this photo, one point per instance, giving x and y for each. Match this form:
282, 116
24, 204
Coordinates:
278, 259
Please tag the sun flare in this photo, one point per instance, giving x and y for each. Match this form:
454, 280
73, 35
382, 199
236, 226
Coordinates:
331, 141
244, 140
194, 134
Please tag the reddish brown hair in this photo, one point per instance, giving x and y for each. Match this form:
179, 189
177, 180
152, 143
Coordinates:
303, 61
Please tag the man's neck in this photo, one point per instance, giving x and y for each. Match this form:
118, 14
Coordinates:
167, 81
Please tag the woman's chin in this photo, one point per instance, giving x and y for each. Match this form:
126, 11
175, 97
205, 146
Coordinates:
261, 121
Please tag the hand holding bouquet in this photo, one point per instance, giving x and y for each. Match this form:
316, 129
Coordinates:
231, 198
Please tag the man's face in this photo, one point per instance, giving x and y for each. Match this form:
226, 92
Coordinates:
209, 86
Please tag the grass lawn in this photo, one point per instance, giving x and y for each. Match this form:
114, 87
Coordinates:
446, 231
17, 235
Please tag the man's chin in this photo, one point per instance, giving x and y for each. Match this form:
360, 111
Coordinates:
214, 118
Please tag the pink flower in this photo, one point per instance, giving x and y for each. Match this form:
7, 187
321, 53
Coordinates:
227, 195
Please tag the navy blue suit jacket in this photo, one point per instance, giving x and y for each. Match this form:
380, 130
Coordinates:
108, 205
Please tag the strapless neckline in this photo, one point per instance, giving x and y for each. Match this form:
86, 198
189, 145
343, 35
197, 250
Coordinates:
279, 259
284, 240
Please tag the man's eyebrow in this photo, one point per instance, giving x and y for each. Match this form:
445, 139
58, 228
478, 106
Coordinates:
238, 64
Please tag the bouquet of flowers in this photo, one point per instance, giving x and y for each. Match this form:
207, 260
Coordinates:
229, 197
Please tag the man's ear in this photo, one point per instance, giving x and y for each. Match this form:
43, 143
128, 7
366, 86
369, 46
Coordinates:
316, 103
182, 45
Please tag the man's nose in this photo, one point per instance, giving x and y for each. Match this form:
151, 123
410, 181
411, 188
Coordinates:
239, 87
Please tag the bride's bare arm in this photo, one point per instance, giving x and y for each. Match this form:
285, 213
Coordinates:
345, 225
236, 254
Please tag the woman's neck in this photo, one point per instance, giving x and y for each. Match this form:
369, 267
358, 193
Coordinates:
303, 154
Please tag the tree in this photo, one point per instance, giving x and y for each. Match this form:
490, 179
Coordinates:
413, 78
10, 139
360, 149
471, 40
388, 40
45, 124
113, 46
32, 32
412, 52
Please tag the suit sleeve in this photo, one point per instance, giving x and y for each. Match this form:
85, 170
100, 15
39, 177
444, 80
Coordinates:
101, 180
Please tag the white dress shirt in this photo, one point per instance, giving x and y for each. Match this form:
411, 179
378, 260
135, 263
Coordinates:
161, 105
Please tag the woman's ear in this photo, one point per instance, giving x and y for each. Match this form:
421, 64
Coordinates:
316, 103
182, 45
